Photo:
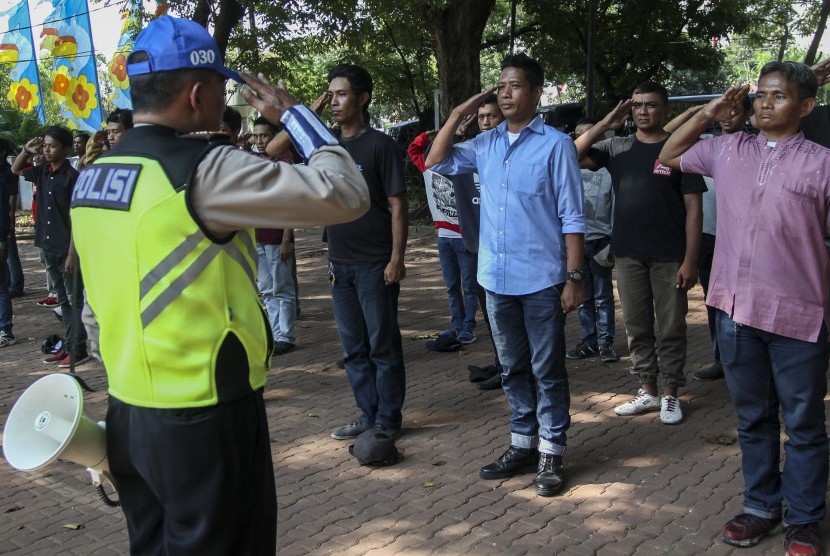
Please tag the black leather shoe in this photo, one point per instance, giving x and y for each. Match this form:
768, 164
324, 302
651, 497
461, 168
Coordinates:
712, 372
551, 478
492, 383
515, 461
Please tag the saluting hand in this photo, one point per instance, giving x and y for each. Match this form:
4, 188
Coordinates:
616, 118
822, 71
727, 105
270, 100
472, 104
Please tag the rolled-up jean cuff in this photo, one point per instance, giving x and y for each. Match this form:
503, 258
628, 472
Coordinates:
522, 441
766, 514
547, 447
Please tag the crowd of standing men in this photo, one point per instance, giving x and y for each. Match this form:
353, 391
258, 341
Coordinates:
539, 219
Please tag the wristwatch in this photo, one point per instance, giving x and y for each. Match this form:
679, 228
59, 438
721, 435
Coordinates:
575, 275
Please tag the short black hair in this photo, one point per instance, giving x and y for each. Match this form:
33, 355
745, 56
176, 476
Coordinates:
83, 135
157, 91
59, 134
491, 99
647, 87
121, 116
263, 121
233, 118
360, 81
800, 75
533, 70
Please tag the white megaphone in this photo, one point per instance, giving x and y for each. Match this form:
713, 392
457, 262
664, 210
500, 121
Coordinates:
48, 422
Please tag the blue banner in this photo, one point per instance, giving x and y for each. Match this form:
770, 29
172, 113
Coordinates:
117, 68
17, 58
66, 40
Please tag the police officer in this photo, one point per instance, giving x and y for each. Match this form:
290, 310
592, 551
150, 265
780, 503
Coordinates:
163, 228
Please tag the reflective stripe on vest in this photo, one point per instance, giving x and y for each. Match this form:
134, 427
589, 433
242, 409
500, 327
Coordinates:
191, 274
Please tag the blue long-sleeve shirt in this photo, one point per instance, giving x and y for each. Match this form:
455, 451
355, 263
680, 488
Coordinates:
531, 194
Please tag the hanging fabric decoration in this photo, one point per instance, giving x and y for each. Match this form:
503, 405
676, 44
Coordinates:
117, 68
17, 58
66, 45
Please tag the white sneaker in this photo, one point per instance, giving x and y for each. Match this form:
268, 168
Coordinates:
642, 403
6, 339
670, 412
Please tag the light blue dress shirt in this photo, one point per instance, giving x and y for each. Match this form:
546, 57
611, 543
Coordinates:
531, 194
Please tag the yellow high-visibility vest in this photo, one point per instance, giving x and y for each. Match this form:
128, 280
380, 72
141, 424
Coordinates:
180, 320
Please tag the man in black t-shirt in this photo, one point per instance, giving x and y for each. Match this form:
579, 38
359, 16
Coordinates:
656, 242
53, 230
366, 263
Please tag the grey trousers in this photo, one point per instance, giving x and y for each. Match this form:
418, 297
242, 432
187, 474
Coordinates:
648, 290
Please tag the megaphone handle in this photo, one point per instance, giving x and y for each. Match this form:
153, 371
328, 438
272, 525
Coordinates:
99, 486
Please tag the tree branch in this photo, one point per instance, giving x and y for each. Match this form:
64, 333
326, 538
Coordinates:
529, 28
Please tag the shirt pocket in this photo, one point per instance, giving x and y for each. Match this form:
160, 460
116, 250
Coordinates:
529, 179
799, 192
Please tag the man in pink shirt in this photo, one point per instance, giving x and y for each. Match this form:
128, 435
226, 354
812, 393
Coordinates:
770, 283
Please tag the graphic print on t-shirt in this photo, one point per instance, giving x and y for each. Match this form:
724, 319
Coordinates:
660, 169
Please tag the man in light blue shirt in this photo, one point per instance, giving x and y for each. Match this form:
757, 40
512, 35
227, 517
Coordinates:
530, 260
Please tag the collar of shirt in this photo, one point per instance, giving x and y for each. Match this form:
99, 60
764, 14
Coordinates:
536, 125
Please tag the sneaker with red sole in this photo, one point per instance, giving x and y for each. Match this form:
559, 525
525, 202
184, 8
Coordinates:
56, 358
48, 301
747, 530
80, 359
803, 540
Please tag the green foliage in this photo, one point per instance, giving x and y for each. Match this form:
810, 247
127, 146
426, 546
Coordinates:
16, 127
663, 40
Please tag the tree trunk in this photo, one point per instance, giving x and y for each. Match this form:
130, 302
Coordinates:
457, 29
229, 16
810, 57
226, 15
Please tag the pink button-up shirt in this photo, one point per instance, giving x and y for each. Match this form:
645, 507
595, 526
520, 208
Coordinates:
770, 269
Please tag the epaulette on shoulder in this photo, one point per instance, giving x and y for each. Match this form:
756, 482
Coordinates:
207, 136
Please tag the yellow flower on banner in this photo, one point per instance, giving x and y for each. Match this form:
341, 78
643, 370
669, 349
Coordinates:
24, 95
60, 84
118, 70
81, 99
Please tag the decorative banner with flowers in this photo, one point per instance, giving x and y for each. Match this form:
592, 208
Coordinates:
66, 40
17, 58
117, 67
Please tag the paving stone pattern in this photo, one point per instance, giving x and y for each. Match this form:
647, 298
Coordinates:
635, 486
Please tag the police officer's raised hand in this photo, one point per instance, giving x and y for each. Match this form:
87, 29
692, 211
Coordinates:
270, 100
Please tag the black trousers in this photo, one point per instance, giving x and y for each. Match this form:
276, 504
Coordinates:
196, 480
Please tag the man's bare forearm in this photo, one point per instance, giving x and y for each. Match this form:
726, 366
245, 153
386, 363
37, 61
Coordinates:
442, 144
682, 140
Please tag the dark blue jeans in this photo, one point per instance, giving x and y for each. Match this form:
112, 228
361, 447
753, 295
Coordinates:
766, 373
366, 313
459, 270
529, 331
70, 307
596, 314
6, 311
15, 268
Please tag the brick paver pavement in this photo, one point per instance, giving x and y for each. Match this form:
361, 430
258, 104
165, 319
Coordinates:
635, 486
